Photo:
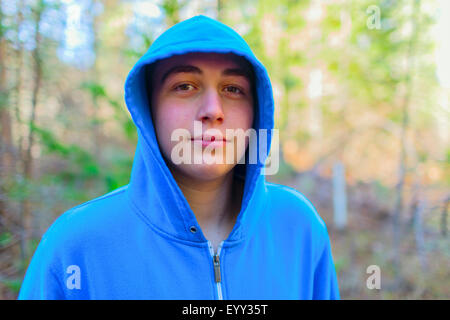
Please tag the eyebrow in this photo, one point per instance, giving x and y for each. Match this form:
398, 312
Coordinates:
194, 69
180, 69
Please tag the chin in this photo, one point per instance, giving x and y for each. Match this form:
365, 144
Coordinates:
206, 171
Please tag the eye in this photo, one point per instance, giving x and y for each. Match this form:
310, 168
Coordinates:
184, 87
234, 90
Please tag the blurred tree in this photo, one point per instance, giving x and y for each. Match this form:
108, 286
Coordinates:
172, 11
26, 210
6, 141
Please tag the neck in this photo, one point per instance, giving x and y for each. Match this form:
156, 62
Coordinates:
215, 203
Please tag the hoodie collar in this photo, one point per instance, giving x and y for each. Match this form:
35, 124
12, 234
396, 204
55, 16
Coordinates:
152, 191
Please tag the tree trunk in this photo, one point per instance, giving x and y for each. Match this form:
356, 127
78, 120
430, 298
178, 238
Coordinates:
418, 233
18, 87
220, 10
444, 217
339, 196
172, 11
6, 142
399, 207
26, 205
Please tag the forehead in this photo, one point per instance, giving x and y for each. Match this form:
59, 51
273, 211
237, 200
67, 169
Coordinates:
219, 61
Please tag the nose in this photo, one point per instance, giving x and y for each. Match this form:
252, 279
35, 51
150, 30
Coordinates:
211, 108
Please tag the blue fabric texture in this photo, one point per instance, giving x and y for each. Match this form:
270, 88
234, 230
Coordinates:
136, 242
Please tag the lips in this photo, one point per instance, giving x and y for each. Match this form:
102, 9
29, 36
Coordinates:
207, 140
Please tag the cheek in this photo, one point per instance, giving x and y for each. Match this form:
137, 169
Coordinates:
171, 112
241, 117
172, 118
168, 118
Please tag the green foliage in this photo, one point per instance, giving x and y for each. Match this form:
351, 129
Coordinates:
285, 170
12, 284
84, 165
3, 100
341, 263
49, 141
172, 9
95, 89
118, 173
382, 192
97, 92
333, 21
5, 238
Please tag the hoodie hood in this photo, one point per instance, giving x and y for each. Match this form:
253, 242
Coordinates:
153, 191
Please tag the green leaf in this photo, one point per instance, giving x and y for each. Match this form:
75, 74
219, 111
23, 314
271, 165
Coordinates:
12, 284
95, 89
5, 238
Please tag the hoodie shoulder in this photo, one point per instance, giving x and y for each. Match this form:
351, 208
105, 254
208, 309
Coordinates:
82, 231
88, 221
292, 207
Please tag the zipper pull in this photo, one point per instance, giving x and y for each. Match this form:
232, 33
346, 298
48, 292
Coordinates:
216, 268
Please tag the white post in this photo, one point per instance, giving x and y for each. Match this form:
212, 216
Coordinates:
339, 196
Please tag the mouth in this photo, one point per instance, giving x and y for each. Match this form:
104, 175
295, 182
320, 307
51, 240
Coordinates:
210, 141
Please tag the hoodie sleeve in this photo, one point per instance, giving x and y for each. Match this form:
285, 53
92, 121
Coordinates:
325, 280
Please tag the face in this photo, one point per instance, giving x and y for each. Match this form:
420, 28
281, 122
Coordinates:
211, 89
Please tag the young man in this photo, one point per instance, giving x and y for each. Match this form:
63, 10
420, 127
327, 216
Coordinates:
191, 229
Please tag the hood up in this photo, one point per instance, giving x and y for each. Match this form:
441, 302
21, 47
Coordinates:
153, 191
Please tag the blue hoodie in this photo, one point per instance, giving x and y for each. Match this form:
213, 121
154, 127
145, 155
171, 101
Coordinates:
137, 242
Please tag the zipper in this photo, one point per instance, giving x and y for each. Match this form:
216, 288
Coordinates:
216, 265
